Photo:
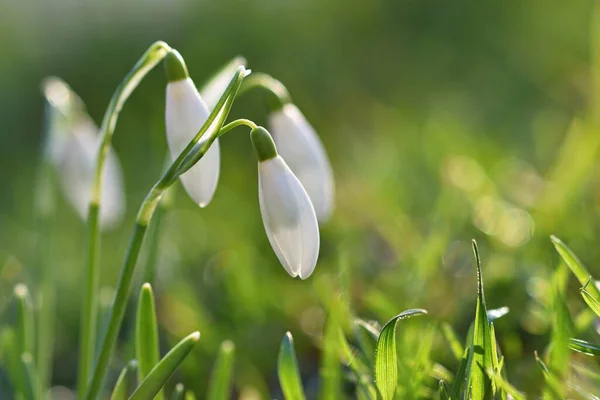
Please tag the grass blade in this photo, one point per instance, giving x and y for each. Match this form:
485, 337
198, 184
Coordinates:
159, 375
287, 368
592, 303
575, 265
452, 340
482, 387
220, 380
125, 382
554, 388
584, 347
29, 390
386, 358
504, 386
146, 335
25, 334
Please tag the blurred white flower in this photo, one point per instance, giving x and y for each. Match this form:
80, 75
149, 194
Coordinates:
214, 88
185, 114
72, 144
299, 145
287, 212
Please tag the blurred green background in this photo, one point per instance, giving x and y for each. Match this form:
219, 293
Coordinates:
444, 121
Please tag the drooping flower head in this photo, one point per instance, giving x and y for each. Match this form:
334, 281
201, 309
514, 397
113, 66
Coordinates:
287, 212
185, 114
302, 149
72, 145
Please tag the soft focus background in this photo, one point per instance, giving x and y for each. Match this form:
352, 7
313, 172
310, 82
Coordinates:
444, 121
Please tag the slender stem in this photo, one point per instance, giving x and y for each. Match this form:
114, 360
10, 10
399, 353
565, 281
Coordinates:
143, 219
279, 95
153, 246
235, 124
151, 57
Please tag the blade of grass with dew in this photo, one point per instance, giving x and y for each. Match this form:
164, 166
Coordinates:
358, 366
584, 347
179, 392
125, 382
220, 380
452, 339
460, 387
159, 375
504, 386
386, 357
146, 335
575, 265
89, 313
24, 320
482, 387
287, 370
30, 381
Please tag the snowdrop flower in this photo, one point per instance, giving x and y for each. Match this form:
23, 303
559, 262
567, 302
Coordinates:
72, 144
214, 88
287, 212
185, 114
299, 145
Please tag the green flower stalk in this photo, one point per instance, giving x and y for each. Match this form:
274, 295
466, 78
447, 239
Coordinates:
197, 147
151, 57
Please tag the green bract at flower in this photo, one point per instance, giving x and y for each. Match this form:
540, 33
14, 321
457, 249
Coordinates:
287, 212
298, 144
72, 144
185, 114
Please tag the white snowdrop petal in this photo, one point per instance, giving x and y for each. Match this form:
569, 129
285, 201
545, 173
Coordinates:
212, 91
185, 114
77, 170
289, 218
299, 145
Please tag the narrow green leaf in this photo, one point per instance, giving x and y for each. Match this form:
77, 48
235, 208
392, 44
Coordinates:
125, 382
25, 334
584, 347
330, 371
482, 387
386, 357
461, 381
504, 385
589, 299
146, 335
11, 362
287, 369
575, 265
220, 380
178, 392
159, 375
29, 390
555, 388
452, 340
443, 392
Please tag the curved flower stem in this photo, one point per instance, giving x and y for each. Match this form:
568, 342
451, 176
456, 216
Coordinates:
188, 157
151, 57
279, 95
235, 124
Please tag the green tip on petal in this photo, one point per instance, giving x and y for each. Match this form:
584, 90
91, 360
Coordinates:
263, 143
175, 67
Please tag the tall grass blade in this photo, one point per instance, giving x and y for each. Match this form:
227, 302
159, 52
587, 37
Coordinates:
159, 375
24, 320
482, 387
584, 347
221, 378
575, 265
125, 382
30, 381
386, 357
146, 335
287, 369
